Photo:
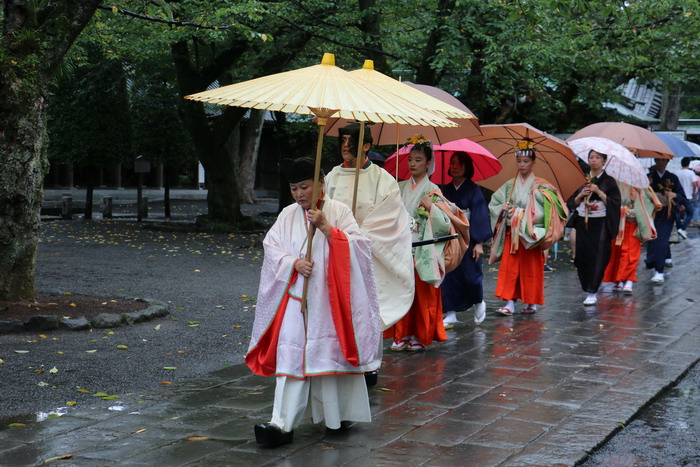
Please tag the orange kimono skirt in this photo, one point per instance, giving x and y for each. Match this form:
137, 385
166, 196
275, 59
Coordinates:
625, 257
424, 319
521, 274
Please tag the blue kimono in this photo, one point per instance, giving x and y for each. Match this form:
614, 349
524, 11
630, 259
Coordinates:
462, 287
659, 249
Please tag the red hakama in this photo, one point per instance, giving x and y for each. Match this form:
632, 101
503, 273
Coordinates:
521, 274
424, 319
625, 257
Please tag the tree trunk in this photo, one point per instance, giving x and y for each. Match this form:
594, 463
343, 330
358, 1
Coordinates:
425, 73
249, 145
370, 25
90, 173
222, 201
23, 141
670, 108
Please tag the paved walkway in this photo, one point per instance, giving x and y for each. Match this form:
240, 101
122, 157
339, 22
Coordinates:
536, 390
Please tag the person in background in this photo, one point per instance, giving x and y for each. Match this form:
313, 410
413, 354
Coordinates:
670, 193
384, 221
687, 179
528, 215
462, 288
596, 220
423, 322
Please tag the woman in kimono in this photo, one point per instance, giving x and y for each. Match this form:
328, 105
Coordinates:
317, 355
636, 226
462, 288
423, 322
529, 217
597, 220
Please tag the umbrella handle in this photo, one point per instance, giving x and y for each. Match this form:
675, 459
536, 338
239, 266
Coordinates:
359, 162
314, 202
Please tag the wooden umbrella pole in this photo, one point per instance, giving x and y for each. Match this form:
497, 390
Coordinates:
314, 200
359, 162
398, 129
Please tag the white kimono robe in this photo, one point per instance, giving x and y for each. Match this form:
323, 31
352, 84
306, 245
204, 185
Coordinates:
385, 222
343, 312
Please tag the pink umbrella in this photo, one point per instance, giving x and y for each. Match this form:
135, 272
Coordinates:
485, 164
621, 164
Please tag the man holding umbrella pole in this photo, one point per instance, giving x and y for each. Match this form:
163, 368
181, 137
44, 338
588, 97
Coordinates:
383, 220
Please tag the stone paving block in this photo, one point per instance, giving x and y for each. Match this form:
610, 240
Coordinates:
450, 395
324, 453
506, 396
489, 377
202, 418
580, 432
375, 435
130, 422
572, 393
628, 357
545, 349
443, 432
119, 450
399, 454
679, 358
476, 413
613, 405
507, 432
595, 348
686, 344
664, 370
541, 454
601, 373
381, 401
542, 377
517, 362
414, 385
229, 457
39, 431
411, 413
177, 453
540, 412
640, 383
576, 361
472, 455
255, 399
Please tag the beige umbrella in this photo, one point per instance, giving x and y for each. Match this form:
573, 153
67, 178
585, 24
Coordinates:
555, 161
639, 140
322, 90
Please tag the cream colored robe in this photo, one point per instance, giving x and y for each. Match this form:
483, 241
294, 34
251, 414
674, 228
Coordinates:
385, 222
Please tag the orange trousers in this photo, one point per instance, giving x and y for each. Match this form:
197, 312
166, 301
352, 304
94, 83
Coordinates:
521, 274
424, 319
624, 258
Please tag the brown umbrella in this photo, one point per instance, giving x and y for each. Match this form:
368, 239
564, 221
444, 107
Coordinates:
639, 140
555, 161
430, 98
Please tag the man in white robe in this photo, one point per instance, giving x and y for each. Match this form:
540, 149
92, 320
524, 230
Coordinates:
384, 221
319, 365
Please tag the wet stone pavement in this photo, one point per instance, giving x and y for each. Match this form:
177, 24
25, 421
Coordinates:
526, 390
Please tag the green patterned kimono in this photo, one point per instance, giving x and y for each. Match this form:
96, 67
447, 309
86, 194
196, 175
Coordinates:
429, 259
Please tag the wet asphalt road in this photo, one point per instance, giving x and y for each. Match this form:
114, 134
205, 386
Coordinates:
209, 281
667, 433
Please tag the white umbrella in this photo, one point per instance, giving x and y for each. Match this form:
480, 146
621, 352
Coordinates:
621, 164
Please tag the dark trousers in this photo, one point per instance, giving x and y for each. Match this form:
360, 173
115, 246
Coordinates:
659, 249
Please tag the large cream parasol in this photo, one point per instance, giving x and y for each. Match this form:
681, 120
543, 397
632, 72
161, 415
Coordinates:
323, 90
555, 161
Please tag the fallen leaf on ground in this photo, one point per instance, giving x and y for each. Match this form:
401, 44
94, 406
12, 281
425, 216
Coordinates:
169, 368
43, 336
157, 327
21, 351
58, 458
138, 432
42, 384
122, 347
197, 438
165, 382
90, 351
100, 394
15, 425
53, 370
109, 398
83, 390
71, 403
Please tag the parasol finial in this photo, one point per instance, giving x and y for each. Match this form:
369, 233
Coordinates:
368, 65
328, 59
